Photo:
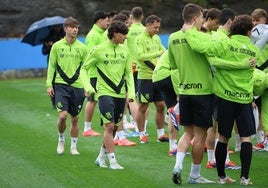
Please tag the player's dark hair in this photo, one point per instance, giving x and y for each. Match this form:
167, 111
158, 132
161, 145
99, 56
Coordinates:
241, 25
226, 14
117, 27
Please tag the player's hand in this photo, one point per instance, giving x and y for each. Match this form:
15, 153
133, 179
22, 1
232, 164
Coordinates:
50, 91
252, 62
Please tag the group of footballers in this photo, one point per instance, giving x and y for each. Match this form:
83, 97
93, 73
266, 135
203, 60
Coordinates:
210, 79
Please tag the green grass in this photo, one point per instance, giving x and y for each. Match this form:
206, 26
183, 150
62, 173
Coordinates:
28, 158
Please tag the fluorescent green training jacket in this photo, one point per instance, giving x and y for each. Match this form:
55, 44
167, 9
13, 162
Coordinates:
93, 38
114, 61
68, 57
233, 85
134, 30
147, 49
194, 76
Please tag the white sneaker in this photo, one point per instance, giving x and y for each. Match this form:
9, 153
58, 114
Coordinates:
199, 180
74, 151
100, 161
60, 147
116, 166
226, 180
245, 181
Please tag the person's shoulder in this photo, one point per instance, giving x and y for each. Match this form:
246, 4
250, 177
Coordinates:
176, 34
59, 43
80, 43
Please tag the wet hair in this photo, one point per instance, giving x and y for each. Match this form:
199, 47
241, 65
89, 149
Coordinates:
117, 27
137, 12
151, 19
190, 11
213, 13
120, 17
241, 25
70, 22
258, 13
99, 15
226, 14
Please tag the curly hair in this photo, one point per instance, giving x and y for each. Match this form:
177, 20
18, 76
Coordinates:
241, 25
117, 27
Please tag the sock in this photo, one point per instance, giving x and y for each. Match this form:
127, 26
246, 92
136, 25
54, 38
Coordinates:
145, 125
172, 144
195, 170
87, 126
61, 137
111, 157
102, 152
245, 158
227, 158
74, 142
211, 156
237, 141
160, 132
120, 135
142, 134
220, 155
125, 119
132, 120
179, 160
260, 136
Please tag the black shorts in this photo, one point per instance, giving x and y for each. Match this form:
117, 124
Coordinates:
228, 112
135, 76
93, 82
111, 109
166, 88
147, 92
68, 98
196, 110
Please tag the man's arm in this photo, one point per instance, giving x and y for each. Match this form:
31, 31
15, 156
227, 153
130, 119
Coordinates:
85, 78
230, 65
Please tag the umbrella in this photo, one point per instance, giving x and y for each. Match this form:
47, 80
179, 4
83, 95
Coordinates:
39, 30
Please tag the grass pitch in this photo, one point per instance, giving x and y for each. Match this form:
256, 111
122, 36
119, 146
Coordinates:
28, 136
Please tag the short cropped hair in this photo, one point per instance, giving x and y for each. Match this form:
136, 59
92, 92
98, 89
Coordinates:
241, 25
117, 27
226, 14
213, 13
190, 11
137, 12
99, 15
151, 19
120, 17
70, 22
